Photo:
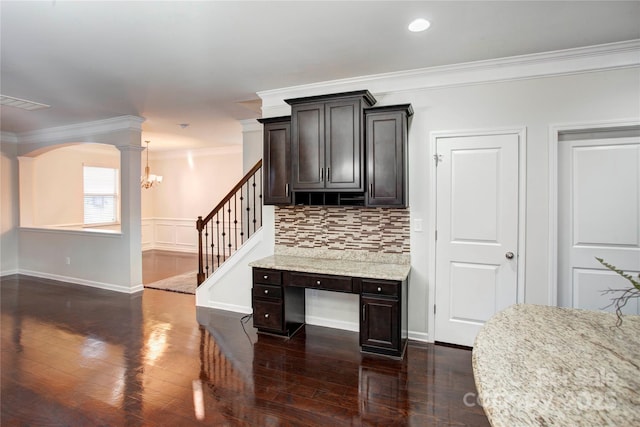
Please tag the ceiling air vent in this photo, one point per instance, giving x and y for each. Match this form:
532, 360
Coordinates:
10, 101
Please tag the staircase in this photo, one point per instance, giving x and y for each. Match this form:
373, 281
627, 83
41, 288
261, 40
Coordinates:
230, 224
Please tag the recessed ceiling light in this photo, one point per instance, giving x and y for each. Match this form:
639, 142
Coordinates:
418, 25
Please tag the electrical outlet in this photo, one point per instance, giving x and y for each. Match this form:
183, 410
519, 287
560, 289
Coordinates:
417, 225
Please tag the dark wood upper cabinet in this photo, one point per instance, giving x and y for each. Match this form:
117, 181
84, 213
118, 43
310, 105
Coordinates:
276, 160
386, 145
327, 142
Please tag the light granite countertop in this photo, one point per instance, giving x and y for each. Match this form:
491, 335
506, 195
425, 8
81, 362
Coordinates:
548, 366
341, 267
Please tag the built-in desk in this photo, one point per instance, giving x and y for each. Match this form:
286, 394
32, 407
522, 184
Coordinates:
278, 297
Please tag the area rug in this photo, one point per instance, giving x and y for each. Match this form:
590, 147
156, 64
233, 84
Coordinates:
184, 283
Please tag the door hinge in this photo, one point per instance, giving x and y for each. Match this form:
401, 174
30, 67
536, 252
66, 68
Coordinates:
434, 309
436, 234
437, 158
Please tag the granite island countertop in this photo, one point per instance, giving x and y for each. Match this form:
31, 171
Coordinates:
548, 366
340, 267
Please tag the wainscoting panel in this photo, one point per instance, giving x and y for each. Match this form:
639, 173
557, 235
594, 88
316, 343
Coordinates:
147, 234
170, 234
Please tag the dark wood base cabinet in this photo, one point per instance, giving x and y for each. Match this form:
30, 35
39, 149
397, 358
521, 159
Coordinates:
278, 302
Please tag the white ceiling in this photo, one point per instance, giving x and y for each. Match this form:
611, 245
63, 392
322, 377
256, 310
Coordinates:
203, 62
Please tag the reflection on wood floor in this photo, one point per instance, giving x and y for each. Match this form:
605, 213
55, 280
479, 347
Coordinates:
73, 355
158, 265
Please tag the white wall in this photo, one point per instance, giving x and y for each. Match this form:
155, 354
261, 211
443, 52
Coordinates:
107, 259
251, 143
533, 103
194, 181
9, 215
57, 187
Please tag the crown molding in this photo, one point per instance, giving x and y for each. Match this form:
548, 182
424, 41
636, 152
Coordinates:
8, 137
82, 130
554, 63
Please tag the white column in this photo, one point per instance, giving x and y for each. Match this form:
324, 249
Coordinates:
26, 191
130, 210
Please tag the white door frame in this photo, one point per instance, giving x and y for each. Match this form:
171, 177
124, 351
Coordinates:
554, 131
522, 199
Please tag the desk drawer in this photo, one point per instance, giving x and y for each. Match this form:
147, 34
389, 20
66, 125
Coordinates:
380, 287
267, 291
270, 277
319, 281
267, 315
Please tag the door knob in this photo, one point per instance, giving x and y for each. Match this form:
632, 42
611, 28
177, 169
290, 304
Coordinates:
509, 255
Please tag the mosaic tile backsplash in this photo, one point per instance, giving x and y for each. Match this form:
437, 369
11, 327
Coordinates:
342, 232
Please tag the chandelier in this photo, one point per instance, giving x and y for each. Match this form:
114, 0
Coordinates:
148, 180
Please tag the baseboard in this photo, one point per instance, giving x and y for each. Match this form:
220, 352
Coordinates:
90, 283
230, 307
8, 272
419, 336
332, 323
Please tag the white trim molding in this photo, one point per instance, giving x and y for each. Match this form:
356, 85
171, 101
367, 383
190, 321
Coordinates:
83, 282
129, 123
561, 62
554, 132
170, 234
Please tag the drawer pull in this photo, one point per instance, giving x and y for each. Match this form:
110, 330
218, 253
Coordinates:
266, 291
379, 289
318, 282
266, 316
265, 277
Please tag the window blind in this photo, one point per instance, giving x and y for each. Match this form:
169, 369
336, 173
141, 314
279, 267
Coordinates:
100, 195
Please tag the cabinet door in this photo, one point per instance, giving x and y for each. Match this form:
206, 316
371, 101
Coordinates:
307, 146
379, 326
386, 136
344, 145
277, 163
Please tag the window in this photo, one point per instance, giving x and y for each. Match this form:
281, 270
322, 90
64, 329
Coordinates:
100, 195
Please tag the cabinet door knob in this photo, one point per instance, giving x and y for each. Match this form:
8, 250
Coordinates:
379, 289
265, 277
266, 315
318, 282
266, 291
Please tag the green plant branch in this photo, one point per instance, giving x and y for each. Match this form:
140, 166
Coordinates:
626, 294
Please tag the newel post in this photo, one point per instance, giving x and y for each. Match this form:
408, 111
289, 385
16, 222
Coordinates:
200, 227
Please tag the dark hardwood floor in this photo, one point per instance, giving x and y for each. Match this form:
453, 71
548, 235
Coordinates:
158, 265
77, 356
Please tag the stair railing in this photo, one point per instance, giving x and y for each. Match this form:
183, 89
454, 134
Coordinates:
230, 223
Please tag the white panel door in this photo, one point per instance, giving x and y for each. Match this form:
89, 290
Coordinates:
598, 216
477, 232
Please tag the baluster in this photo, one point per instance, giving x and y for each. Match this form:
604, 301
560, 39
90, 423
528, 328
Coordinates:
218, 237
254, 203
229, 227
241, 215
248, 211
260, 196
224, 235
210, 270
235, 220
206, 248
